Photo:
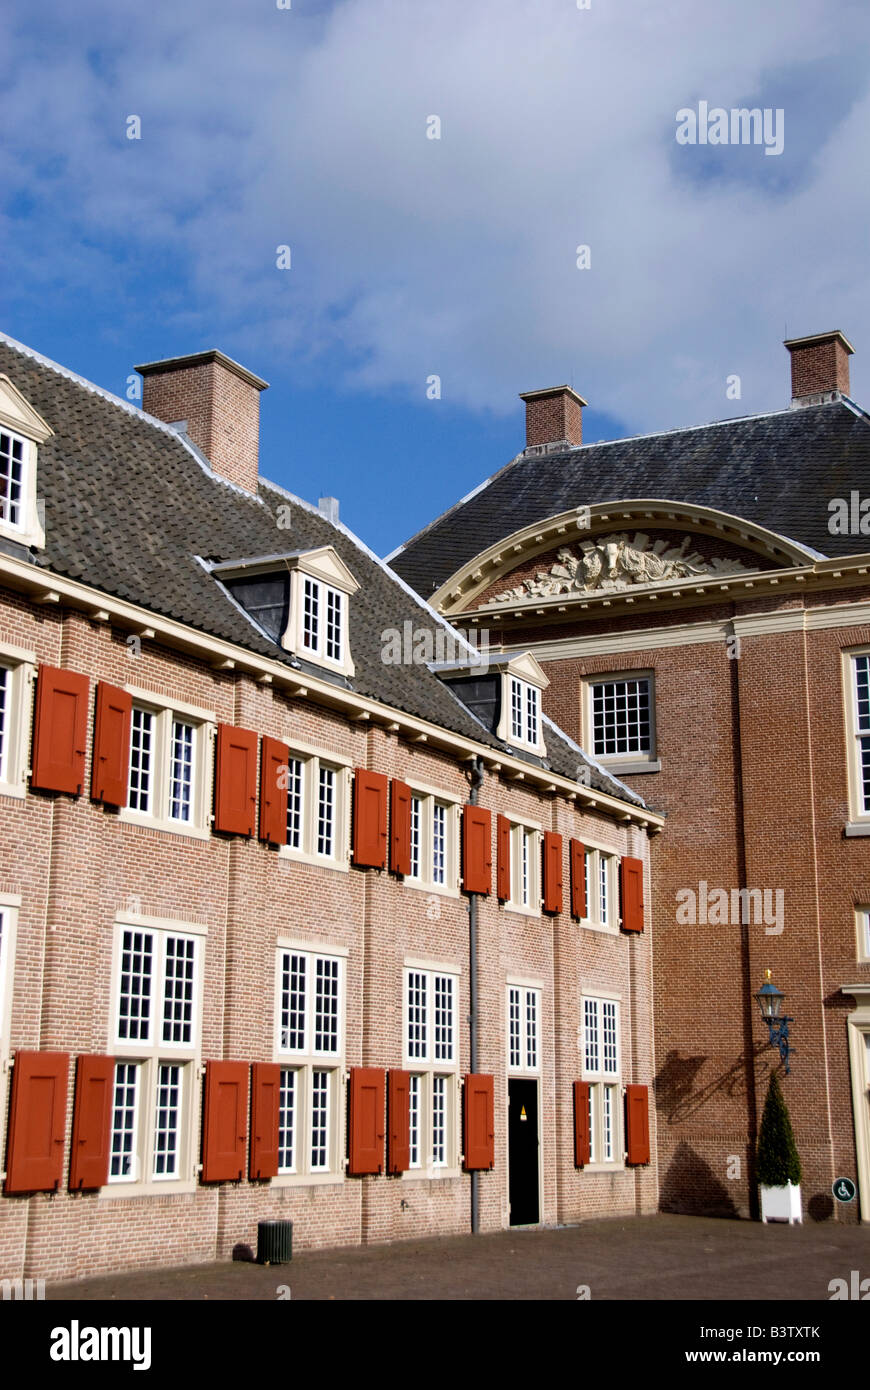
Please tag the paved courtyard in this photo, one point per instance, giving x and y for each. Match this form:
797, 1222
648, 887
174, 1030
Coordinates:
656, 1257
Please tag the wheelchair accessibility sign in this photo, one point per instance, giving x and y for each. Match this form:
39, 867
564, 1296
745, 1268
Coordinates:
843, 1189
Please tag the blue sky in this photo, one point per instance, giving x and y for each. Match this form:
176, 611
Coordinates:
412, 257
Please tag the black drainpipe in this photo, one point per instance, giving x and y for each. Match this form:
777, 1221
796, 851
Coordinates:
476, 782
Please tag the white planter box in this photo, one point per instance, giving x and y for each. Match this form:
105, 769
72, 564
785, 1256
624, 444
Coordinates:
782, 1204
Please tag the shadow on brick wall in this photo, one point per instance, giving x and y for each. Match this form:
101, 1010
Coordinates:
691, 1187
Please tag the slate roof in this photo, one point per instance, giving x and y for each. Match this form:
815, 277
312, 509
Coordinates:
778, 470
130, 505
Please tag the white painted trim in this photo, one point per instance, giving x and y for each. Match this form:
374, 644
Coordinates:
426, 963
211, 649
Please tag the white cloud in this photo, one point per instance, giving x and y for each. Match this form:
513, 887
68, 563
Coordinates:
413, 256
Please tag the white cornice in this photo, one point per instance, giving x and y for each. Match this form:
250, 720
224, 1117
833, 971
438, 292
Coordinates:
468, 582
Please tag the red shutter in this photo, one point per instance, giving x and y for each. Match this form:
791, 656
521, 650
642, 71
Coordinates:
224, 1121
235, 801
637, 1124
111, 761
578, 878
400, 828
265, 1096
369, 819
503, 857
581, 1123
274, 758
60, 731
92, 1122
479, 1108
366, 1121
37, 1121
552, 871
631, 886
476, 850
398, 1105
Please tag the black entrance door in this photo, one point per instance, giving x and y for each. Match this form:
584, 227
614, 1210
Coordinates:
523, 1151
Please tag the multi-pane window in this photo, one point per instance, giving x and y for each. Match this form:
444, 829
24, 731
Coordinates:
601, 1069
524, 1015
16, 671
434, 829
309, 1046
12, 461
4, 954
861, 665
165, 750
431, 1056
525, 875
156, 1030
621, 717
525, 712
295, 774
315, 808
600, 870
322, 620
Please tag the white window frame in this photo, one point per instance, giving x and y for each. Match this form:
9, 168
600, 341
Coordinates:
857, 731
596, 857
527, 732
634, 759
329, 580
523, 997
862, 933
435, 1073
529, 902
605, 1083
21, 423
17, 718
428, 798
307, 1060
312, 759
9, 907
165, 713
151, 1053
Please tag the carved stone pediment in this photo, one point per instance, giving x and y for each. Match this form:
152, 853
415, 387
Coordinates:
619, 562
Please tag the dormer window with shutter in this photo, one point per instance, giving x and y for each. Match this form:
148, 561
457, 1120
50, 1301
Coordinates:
22, 431
300, 600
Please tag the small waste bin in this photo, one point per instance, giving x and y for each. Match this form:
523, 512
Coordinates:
274, 1242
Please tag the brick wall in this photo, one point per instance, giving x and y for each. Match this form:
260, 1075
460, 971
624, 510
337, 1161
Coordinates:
75, 864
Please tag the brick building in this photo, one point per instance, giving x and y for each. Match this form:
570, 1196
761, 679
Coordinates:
700, 601
307, 911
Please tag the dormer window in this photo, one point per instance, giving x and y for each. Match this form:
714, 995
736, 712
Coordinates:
22, 430
525, 712
300, 600
522, 681
323, 624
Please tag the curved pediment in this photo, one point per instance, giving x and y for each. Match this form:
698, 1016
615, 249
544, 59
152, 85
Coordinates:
614, 548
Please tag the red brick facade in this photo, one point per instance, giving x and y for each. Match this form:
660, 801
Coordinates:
74, 865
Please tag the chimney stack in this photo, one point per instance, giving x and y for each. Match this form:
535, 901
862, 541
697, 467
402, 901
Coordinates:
219, 402
553, 416
819, 366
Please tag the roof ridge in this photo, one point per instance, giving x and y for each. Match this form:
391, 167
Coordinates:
381, 564
454, 507
130, 409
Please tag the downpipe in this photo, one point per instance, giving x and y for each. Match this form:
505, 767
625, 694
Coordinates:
476, 783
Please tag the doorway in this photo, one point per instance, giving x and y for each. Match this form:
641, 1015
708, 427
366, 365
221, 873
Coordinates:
523, 1152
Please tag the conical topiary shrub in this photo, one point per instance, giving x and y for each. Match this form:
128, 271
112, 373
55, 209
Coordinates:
778, 1161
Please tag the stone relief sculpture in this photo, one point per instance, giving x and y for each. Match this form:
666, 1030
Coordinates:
617, 562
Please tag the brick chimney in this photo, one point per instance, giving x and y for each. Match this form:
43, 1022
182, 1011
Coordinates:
553, 416
219, 403
819, 366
